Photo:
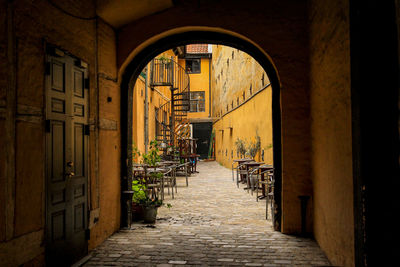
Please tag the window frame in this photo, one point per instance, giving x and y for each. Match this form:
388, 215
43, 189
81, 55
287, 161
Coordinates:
192, 71
198, 101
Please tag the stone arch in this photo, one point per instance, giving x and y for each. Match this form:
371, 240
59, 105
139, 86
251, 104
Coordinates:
138, 59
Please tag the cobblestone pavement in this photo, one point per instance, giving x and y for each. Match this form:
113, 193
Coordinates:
211, 223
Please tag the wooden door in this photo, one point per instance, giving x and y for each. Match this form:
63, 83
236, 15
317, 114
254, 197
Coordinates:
67, 137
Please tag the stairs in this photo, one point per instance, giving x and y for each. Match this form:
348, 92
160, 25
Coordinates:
171, 117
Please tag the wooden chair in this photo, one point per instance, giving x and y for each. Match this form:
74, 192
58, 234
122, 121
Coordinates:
241, 174
268, 182
168, 180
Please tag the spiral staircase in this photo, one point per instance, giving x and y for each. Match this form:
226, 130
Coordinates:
172, 123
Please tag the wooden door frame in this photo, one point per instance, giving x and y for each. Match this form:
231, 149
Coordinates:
133, 70
48, 51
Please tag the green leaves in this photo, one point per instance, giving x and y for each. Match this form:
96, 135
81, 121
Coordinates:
152, 157
139, 191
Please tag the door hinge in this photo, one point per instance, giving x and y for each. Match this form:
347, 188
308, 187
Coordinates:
47, 126
47, 68
87, 234
87, 129
87, 83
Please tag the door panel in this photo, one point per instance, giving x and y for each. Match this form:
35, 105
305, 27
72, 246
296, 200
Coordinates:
67, 159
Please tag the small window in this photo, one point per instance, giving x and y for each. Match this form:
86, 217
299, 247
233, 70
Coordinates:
197, 101
193, 65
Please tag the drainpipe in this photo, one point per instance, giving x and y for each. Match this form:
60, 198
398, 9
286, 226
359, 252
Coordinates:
146, 111
209, 86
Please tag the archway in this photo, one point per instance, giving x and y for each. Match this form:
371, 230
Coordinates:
139, 61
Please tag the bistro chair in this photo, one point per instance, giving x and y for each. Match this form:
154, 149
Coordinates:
268, 182
241, 174
249, 179
184, 169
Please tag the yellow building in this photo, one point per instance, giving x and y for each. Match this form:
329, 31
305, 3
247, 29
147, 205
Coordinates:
197, 61
145, 116
241, 93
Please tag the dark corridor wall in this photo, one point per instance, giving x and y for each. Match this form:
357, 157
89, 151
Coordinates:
202, 132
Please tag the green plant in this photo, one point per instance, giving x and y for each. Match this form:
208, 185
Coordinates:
139, 191
163, 59
152, 157
240, 146
151, 202
141, 197
254, 147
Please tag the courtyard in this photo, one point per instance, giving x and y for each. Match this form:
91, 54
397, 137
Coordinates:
211, 223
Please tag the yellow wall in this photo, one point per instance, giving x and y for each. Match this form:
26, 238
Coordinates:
200, 82
331, 131
246, 123
156, 98
240, 112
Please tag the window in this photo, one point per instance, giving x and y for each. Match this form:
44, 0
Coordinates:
193, 65
197, 101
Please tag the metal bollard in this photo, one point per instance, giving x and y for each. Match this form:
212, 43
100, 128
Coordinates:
303, 206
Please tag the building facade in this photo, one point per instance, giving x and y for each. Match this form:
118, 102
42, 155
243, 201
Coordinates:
241, 94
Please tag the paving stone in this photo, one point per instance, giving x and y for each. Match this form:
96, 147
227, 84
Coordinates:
225, 260
177, 262
211, 223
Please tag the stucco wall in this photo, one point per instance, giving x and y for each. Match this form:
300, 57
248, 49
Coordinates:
242, 104
245, 123
331, 155
200, 82
36, 24
156, 98
105, 181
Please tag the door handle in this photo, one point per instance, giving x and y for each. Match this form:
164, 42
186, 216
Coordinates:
70, 174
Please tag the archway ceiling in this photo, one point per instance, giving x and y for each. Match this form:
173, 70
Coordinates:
121, 12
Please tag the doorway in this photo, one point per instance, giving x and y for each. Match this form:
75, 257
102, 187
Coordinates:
67, 139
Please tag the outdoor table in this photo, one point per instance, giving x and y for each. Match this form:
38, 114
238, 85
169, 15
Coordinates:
238, 161
262, 169
249, 165
242, 160
168, 162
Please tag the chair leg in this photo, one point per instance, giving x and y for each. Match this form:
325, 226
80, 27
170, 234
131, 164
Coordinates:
172, 188
186, 174
251, 183
257, 185
162, 188
272, 208
248, 182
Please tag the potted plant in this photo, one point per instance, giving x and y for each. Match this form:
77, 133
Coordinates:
143, 197
240, 146
150, 206
254, 147
139, 195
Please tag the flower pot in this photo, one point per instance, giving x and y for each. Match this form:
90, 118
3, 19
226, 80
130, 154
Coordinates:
149, 214
137, 212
